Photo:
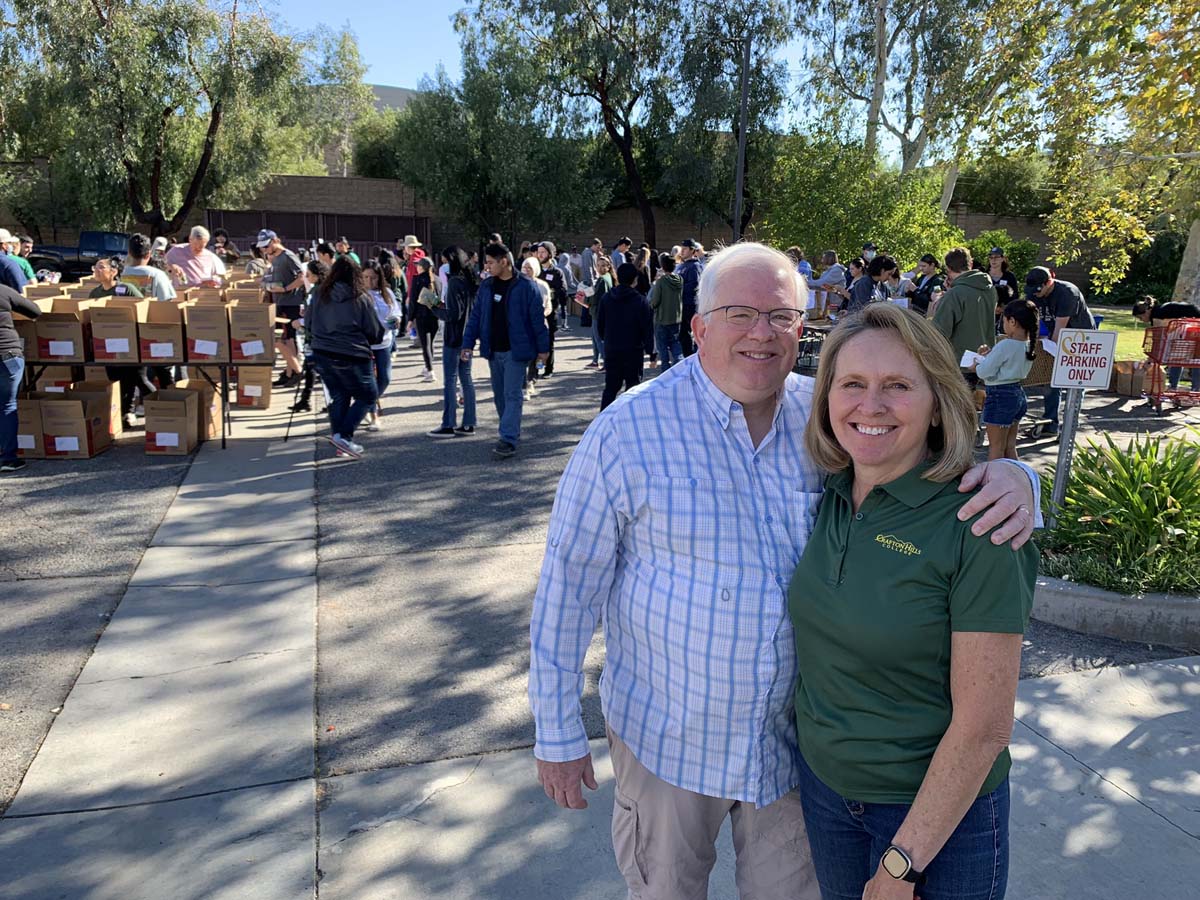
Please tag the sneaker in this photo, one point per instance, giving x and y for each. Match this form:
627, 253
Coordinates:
349, 448
428, 376
442, 433
527, 394
373, 426
15, 465
302, 406
128, 420
503, 449
465, 430
592, 365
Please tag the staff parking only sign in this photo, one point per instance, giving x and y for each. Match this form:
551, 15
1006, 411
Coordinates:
1084, 359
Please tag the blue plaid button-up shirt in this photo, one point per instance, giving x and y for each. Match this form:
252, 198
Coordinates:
683, 536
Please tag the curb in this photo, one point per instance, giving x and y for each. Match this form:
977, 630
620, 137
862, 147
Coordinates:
1169, 619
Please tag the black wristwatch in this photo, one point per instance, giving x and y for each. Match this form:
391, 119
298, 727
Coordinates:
897, 864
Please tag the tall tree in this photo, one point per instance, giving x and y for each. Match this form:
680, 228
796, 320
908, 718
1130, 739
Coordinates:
148, 109
610, 59
344, 98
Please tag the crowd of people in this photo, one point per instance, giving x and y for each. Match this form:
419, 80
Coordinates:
636, 306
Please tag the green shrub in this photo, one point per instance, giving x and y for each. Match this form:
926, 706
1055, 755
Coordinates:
1015, 185
1022, 254
1153, 271
1130, 520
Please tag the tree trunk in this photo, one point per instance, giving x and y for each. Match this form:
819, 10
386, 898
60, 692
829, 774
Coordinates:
623, 140
948, 185
1187, 285
871, 144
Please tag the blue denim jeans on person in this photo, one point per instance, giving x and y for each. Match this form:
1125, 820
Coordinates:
352, 390
456, 370
666, 340
11, 372
848, 839
1005, 405
1053, 398
383, 372
508, 376
1174, 373
597, 344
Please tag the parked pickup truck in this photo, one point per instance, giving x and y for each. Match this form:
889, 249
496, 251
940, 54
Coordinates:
76, 262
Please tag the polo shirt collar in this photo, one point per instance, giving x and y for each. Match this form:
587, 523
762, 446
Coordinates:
910, 488
718, 402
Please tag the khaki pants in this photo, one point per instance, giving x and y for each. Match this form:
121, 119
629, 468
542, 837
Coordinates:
664, 838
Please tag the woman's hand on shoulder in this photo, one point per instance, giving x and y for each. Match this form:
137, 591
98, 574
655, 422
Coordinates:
1005, 498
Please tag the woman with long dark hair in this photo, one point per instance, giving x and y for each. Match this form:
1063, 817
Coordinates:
342, 326
461, 285
424, 315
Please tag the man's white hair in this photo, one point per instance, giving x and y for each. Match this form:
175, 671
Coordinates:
199, 231
745, 255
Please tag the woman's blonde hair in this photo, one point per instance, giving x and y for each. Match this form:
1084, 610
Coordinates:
951, 438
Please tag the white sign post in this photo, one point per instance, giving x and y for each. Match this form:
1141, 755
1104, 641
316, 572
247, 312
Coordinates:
1084, 359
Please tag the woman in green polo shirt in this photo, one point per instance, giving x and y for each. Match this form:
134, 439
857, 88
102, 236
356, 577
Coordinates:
908, 628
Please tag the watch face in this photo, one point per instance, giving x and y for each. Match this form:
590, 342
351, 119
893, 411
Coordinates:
895, 863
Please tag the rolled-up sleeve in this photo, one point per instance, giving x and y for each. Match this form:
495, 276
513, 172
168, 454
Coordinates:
577, 575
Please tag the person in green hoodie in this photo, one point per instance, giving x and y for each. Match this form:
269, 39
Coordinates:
966, 313
666, 299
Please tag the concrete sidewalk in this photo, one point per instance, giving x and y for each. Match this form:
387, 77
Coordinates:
182, 762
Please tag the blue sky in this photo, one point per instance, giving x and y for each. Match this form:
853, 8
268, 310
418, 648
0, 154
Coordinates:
400, 40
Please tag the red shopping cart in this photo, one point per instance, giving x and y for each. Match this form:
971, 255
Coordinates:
1175, 345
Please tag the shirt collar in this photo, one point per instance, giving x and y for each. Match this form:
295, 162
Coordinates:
910, 488
721, 404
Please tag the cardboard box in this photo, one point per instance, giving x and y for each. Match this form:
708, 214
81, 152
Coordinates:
254, 387
30, 443
115, 329
27, 332
75, 427
56, 379
44, 291
206, 328
103, 390
206, 295
252, 333
93, 373
172, 422
1129, 377
209, 419
160, 336
247, 293
64, 335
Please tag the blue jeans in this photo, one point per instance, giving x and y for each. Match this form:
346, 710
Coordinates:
666, 340
848, 839
454, 370
11, 371
383, 370
508, 376
1175, 372
1053, 398
597, 344
352, 391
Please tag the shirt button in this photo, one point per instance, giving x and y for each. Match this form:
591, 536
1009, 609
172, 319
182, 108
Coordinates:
694, 482
756, 460
858, 516
779, 579
725, 595
768, 519
554, 542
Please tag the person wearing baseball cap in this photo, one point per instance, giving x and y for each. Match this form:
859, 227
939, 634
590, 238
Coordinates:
689, 270
868, 250
285, 284
1060, 305
11, 274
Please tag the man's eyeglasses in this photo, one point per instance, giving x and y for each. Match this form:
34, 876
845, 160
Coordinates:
744, 318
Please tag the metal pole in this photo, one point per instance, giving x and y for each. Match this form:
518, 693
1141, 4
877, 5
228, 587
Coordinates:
739, 175
1066, 452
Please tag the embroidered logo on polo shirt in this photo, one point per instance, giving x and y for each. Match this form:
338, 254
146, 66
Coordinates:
894, 543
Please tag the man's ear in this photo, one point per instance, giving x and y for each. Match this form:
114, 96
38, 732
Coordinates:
699, 327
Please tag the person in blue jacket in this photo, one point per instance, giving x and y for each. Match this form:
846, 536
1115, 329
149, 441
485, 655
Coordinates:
508, 320
690, 268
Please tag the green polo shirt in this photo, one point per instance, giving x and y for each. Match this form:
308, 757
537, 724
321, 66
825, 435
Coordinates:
874, 600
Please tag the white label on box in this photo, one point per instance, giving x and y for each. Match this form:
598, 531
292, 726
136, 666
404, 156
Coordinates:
54, 389
166, 438
116, 345
206, 348
62, 348
158, 351
25, 442
66, 444
252, 348
252, 390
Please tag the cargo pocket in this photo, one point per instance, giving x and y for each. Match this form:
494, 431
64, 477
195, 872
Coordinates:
627, 843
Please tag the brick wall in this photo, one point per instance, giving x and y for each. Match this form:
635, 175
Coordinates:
1021, 228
